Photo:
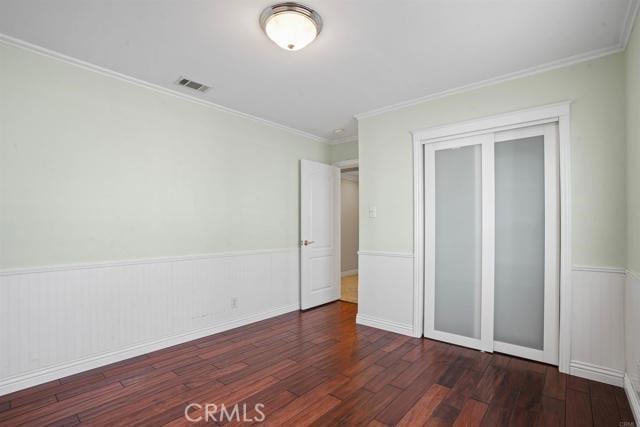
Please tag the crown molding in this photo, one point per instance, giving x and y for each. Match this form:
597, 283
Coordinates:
629, 21
571, 60
12, 41
625, 34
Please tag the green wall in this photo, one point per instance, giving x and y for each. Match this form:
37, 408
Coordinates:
93, 168
597, 155
633, 150
344, 151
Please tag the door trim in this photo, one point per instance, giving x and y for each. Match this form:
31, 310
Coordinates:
560, 113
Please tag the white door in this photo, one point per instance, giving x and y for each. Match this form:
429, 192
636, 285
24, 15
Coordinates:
491, 243
319, 234
458, 276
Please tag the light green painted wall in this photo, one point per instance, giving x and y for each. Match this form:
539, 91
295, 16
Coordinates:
93, 168
597, 155
345, 151
633, 149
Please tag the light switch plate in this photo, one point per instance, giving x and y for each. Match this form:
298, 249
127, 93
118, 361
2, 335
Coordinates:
373, 212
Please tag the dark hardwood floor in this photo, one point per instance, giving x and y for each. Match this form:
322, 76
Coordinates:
319, 368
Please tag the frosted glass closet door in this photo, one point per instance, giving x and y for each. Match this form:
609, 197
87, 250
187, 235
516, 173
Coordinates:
458, 240
519, 242
455, 222
526, 293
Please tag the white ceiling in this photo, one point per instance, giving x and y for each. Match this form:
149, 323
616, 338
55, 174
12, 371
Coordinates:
370, 54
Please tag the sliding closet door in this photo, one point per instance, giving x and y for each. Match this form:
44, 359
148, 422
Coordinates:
526, 243
455, 273
491, 242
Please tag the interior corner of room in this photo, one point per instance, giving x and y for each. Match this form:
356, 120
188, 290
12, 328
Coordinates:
162, 212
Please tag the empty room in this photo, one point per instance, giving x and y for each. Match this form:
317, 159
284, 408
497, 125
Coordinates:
357, 212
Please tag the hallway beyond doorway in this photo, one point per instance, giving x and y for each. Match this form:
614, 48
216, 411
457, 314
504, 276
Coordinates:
349, 289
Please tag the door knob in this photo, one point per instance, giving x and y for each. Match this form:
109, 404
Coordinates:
307, 242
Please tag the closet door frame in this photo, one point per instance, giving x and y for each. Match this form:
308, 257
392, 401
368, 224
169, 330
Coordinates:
554, 113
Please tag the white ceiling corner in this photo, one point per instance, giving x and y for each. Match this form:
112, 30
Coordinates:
630, 19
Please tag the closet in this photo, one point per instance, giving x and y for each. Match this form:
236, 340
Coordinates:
491, 241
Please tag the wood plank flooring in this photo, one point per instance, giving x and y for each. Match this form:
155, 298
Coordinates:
319, 368
349, 289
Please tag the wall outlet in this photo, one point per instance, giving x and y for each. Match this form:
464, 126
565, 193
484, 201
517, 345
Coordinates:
234, 302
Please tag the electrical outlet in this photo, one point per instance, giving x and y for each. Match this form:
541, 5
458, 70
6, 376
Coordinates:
234, 302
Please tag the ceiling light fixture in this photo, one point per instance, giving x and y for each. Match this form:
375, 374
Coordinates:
291, 26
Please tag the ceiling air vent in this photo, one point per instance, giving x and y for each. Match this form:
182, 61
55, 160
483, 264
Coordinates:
183, 81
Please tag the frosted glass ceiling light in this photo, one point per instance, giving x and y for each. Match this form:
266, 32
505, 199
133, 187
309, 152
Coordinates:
291, 26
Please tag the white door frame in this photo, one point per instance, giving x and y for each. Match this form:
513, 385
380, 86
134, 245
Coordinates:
559, 113
344, 164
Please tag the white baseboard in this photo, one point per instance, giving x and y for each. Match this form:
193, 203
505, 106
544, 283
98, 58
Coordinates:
30, 379
597, 373
386, 325
632, 397
349, 273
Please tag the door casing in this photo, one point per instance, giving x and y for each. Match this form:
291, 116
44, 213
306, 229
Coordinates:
487, 142
559, 113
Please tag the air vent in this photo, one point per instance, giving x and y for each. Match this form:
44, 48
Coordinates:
200, 87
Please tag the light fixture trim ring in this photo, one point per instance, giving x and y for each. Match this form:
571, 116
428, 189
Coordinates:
278, 8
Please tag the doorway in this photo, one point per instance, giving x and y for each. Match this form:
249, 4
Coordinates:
328, 233
349, 233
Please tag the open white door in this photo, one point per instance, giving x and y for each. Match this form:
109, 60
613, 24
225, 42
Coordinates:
319, 234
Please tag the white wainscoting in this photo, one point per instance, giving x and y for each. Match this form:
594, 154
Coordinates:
63, 320
632, 332
597, 344
385, 291
597, 328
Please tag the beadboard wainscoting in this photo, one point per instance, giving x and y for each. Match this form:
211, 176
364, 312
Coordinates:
385, 291
598, 319
60, 321
632, 333
597, 328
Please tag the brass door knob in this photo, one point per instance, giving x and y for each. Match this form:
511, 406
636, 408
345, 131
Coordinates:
307, 242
